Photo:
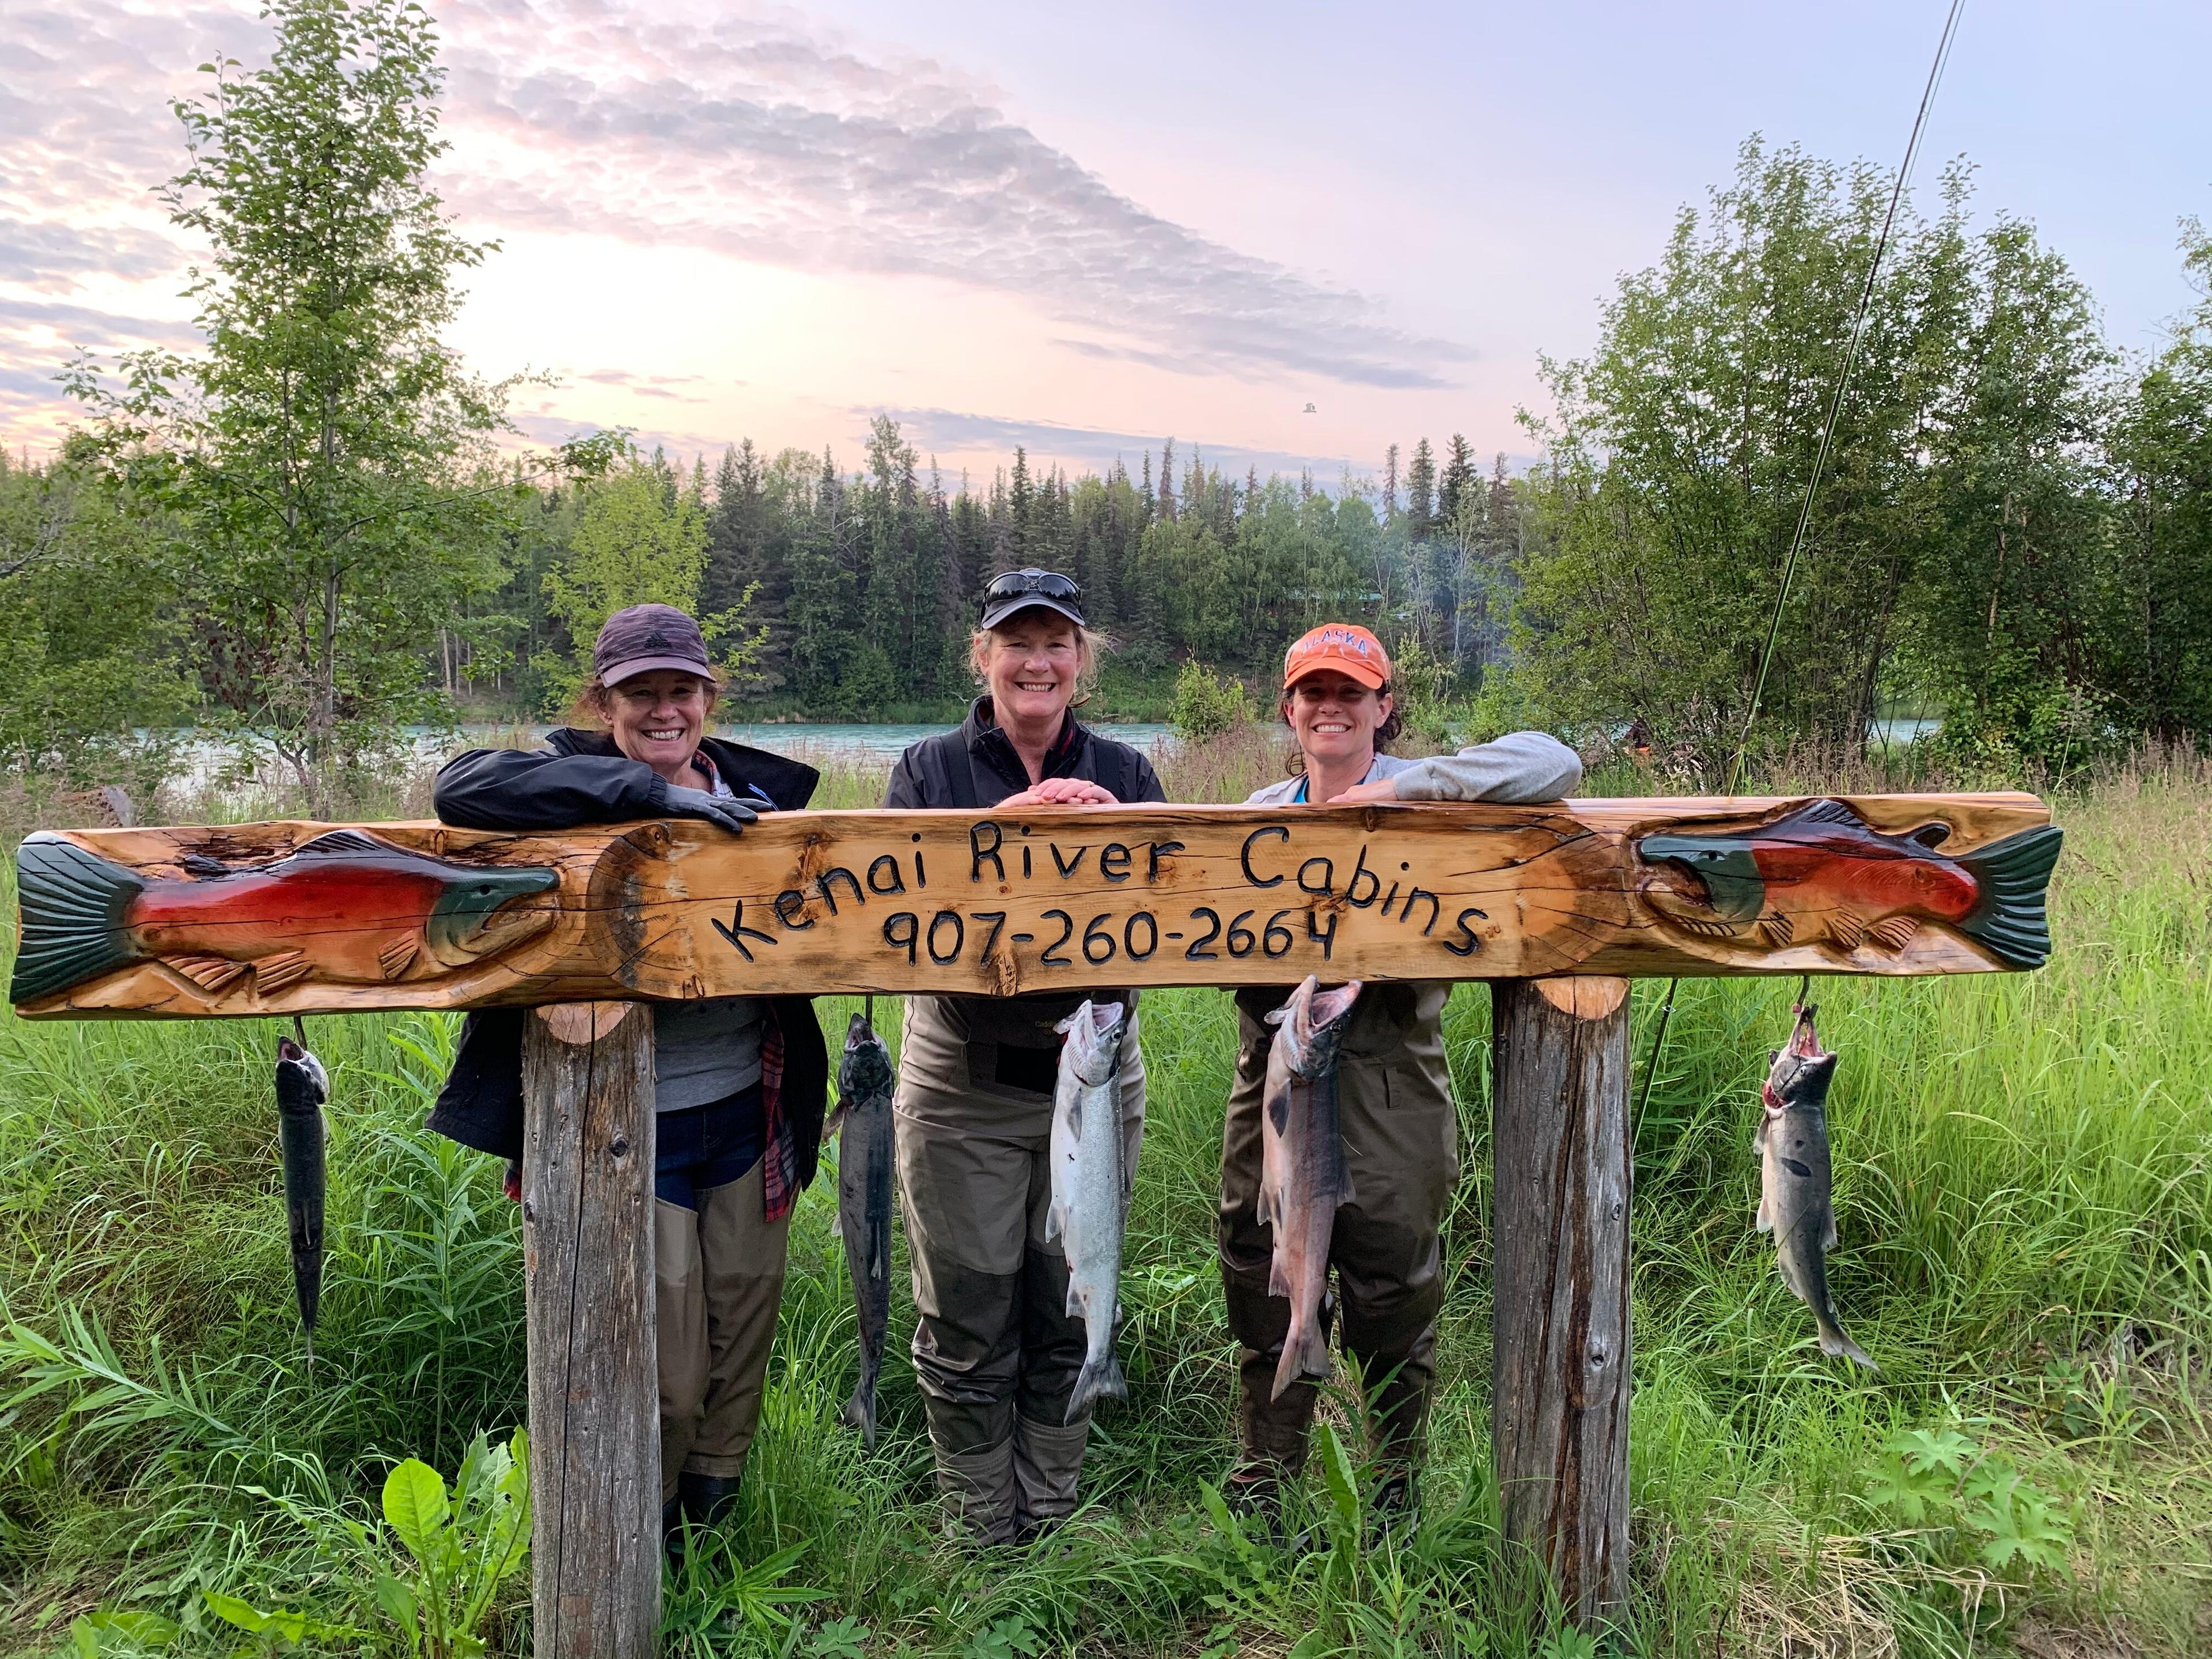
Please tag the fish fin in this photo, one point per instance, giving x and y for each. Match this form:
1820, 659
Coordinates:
1344, 1195
1704, 927
73, 904
399, 956
837, 1116
1278, 1283
1828, 1232
213, 975
1278, 1112
340, 843
859, 1414
1836, 1342
1895, 934
1777, 929
1830, 811
275, 973
2012, 875
1100, 1379
1055, 1224
1763, 1221
1847, 928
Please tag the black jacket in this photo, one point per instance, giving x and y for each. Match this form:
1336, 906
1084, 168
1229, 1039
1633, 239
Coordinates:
1012, 1043
974, 765
580, 778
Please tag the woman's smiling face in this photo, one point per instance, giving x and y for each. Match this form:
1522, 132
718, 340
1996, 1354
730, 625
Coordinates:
1335, 717
659, 717
1035, 658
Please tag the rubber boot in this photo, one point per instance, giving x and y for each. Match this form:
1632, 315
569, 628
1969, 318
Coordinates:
1271, 1434
1048, 1462
707, 1498
981, 1501
1397, 1387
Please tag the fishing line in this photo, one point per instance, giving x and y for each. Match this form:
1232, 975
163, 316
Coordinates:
1843, 384
1819, 464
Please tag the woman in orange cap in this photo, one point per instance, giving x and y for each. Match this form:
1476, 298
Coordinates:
1400, 1128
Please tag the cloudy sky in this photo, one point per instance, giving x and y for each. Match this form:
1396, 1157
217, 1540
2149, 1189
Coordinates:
1087, 229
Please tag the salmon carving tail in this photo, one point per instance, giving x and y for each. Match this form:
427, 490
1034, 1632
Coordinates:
2012, 875
73, 908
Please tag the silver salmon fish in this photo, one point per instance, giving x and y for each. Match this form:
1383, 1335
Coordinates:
863, 1122
1091, 1189
1303, 1177
302, 1089
1795, 1200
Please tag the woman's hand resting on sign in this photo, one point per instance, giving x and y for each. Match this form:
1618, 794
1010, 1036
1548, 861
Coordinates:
1380, 789
1060, 792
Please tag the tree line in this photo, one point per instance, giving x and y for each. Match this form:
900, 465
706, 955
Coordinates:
315, 530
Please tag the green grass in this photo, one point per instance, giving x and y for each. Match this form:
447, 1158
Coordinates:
2026, 1206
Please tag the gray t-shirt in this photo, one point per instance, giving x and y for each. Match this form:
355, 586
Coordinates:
707, 1050
704, 1051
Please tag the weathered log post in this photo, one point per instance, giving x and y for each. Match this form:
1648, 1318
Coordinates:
594, 1401
1560, 1366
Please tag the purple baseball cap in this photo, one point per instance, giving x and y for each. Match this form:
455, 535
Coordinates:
644, 637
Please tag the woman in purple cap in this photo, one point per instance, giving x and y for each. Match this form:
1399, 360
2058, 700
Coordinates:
739, 1081
995, 1350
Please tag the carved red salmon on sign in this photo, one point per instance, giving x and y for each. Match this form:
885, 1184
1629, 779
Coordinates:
1823, 873
371, 910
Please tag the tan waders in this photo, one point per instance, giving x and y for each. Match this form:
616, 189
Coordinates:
718, 1275
995, 1350
1401, 1146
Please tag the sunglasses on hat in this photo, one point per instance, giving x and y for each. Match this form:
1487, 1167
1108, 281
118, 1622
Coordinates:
1018, 589
1017, 584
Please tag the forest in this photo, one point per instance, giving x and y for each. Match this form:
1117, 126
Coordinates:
323, 527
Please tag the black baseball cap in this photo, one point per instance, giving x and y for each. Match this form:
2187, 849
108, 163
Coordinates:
1017, 590
644, 637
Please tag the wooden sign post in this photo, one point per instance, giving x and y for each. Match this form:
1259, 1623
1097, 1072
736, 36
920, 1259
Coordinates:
1563, 902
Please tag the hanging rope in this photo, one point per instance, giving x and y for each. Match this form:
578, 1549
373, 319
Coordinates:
1813, 482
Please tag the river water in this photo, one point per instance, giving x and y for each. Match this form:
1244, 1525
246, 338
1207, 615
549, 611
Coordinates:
200, 763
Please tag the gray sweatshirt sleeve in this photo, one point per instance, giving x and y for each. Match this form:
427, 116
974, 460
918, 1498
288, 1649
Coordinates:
1522, 766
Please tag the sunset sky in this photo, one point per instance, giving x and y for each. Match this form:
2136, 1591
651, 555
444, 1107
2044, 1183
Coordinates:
1087, 229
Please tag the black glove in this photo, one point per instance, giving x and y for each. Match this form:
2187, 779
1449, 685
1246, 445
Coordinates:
717, 810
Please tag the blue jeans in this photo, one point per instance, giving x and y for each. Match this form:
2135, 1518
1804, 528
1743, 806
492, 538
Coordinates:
703, 1147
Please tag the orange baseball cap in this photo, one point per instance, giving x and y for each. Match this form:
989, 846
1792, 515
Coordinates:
1345, 646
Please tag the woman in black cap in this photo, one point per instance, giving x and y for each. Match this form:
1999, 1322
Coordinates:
739, 1081
995, 1350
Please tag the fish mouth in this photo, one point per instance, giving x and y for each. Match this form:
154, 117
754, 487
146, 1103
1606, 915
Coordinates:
1680, 896
499, 930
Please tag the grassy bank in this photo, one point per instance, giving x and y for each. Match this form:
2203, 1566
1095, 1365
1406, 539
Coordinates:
2026, 1208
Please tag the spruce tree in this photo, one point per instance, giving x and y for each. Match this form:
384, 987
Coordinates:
1420, 492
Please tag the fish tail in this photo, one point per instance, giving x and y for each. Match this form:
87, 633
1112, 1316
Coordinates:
2012, 876
1305, 1357
860, 1413
1101, 1377
73, 906
1834, 1341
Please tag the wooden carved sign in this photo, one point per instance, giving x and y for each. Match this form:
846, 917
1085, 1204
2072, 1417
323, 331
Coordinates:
284, 918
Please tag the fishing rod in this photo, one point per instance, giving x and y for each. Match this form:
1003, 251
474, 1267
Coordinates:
1819, 464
